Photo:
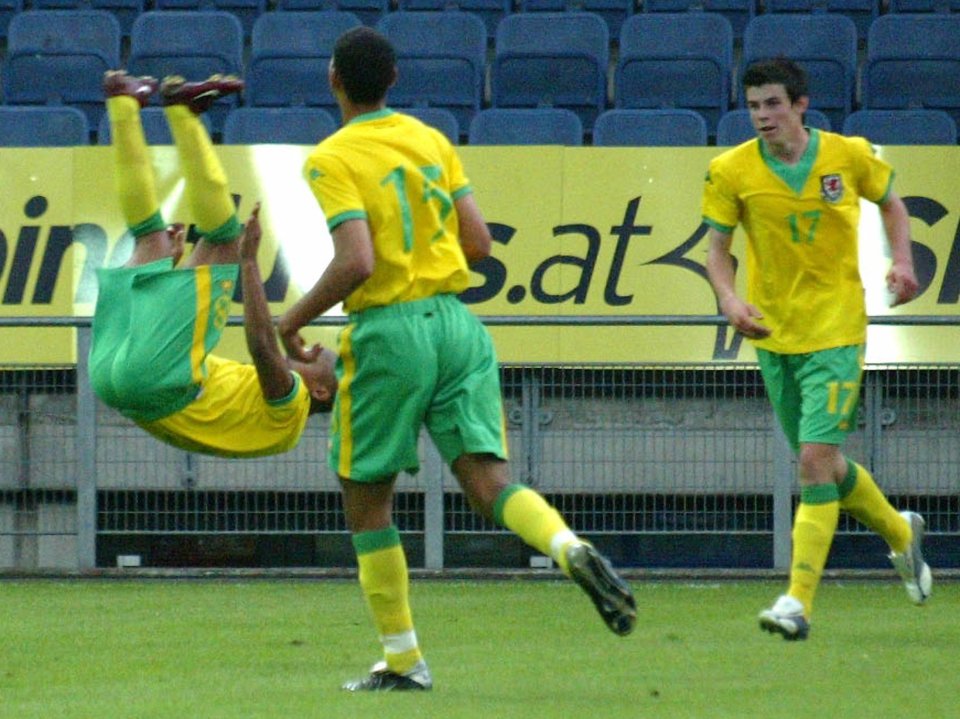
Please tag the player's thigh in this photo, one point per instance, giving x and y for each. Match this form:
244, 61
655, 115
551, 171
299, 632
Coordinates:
784, 392
466, 413
386, 381
830, 382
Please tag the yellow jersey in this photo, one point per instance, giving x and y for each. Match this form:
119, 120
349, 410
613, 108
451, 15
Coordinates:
402, 177
231, 418
801, 224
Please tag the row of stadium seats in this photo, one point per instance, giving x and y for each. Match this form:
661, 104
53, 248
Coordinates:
491, 12
681, 60
52, 126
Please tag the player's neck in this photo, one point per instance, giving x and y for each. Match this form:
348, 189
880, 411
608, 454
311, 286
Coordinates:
791, 149
349, 110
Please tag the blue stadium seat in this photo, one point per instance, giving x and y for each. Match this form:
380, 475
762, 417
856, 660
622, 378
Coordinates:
824, 44
735, 126
191, 43
155, 127
526, 126
289, 58
913, 61
441, 60
8, 8
247, 11
43, 126
277, 125
650, 128
902, 127
58, 57
551, 60
439, 118
368, 11
738, 12
675, 60
490, 11
125, 11
862, 12
614, 12
934, 6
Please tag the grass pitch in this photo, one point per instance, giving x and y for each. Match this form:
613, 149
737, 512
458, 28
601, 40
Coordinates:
279, 649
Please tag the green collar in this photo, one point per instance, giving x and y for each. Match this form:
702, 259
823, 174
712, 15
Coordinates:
794, 175
375, 115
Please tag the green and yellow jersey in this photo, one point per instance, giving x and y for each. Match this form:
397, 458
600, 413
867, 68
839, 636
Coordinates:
802, 243
231, 418
402, 177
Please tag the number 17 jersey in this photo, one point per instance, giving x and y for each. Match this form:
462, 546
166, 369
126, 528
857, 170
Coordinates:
801, 223
402, 177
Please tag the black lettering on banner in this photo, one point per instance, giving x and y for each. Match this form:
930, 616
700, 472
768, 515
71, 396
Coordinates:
924, 260
58, 242
492, 270
23, 254
586, 264
623, 233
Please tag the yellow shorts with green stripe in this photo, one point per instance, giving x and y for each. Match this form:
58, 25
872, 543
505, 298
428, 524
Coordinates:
426, 363
153, 327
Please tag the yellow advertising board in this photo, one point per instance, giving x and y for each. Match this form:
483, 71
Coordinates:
593, 241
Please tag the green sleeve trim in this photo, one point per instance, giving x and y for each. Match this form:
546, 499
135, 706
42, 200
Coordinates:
465, 190
344, 216
849, 480
375, 540
280, 401
820, 494
501, 501
887, 192
154, 223
227, 232
726, 229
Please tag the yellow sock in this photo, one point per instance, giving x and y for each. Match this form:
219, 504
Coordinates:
860, 495
135, 182
527, 514
206, 182
813, 530
386, 586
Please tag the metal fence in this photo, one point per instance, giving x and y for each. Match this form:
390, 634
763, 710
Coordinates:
627, 454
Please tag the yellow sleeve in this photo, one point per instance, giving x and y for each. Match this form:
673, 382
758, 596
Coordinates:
721, 206
332, 183
874, 176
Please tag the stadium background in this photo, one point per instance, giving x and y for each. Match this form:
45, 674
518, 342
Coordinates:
628, 403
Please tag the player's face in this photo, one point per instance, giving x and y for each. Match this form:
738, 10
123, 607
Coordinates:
774, 117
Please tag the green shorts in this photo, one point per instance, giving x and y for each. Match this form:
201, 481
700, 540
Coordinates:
429, 363
814, 395
153, 327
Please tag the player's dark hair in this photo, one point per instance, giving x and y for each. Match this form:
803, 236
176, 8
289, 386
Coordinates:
777, 71
365, 61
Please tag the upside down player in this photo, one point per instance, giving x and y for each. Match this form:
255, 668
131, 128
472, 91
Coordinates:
796, 190
156, 322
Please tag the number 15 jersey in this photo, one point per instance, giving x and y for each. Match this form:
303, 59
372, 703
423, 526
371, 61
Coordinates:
802, 242
402, 177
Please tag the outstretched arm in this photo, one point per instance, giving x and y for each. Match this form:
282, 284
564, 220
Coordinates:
721, 271
901, 278
276, 381
475, 237
351, 265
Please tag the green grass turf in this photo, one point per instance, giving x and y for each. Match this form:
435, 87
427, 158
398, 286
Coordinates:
200, 649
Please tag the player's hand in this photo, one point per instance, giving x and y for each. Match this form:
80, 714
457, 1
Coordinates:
743, 317
295, 345
902, 283
250, 237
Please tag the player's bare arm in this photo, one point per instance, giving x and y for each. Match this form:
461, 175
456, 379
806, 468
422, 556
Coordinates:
475, 237
276, 381
901, 278
721, 272
350, 267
